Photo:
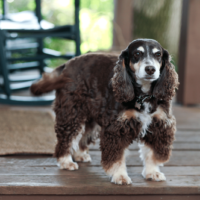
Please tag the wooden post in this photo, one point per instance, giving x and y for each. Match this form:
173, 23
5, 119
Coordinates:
189, 54
123, 24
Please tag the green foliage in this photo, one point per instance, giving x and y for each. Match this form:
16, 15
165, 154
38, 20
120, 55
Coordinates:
61, 45
103, 6
55, 62
1, 10
15, 6
96, 24
58, 12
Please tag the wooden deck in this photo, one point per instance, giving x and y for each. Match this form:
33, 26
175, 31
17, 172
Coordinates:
38, 177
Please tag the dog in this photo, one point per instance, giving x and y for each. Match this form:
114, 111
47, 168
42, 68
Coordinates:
120, 99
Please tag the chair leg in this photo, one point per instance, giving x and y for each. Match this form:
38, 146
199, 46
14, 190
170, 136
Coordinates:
40, 52
77, 40
3, 66
40, 40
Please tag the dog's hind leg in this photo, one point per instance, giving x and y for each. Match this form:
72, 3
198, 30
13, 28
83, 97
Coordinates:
91, 134
69, 127
67, 145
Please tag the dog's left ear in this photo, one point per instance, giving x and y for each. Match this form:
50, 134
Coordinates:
121, 81
168, 81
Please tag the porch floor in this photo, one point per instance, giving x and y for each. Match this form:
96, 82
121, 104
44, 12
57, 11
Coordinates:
38, 176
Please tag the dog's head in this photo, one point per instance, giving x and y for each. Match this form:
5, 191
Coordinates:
144, 62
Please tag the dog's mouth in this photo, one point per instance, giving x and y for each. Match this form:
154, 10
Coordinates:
149, 78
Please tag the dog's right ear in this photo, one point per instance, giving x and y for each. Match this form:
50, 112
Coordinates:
121, 81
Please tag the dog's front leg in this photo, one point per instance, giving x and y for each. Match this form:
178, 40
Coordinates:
151, 170
156, 147
114, 159
117, 170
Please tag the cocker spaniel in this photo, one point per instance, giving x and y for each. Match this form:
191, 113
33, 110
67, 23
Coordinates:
121, 99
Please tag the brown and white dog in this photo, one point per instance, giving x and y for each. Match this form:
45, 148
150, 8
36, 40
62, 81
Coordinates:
121, 99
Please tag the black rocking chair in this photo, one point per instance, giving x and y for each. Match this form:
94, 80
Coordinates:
9, 64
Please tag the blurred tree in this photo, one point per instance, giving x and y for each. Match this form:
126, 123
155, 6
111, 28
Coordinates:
152, 20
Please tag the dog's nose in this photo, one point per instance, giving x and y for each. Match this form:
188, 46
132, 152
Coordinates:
150, 70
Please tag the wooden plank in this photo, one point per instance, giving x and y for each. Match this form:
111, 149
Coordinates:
50, 180
185, 140
178, 158
23, 161
90, 171
177, 146
95, 185
104, 197
187, 118
185, 135
186, 146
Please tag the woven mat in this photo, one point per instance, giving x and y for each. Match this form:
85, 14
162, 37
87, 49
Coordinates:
26, 132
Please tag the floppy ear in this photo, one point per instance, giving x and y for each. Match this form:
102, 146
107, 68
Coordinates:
168, 81
121, 81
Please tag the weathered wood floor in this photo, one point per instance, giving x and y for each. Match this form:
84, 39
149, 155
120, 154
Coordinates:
38, 177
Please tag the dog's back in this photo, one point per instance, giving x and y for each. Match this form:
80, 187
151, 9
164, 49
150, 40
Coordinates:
87, 67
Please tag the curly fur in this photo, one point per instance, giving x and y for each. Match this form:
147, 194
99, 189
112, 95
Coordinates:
167, 84
121, 81
101, 89
49, 82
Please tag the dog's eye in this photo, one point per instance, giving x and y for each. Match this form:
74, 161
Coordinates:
137, 54
158, 54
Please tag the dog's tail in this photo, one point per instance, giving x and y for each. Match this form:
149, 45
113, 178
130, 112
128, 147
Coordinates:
50, 81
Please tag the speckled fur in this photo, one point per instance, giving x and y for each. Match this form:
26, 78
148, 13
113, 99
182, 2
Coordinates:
93, 89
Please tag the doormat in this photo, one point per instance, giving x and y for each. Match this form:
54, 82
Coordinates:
29, 132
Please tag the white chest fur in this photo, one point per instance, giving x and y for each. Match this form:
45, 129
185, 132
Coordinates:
145, 118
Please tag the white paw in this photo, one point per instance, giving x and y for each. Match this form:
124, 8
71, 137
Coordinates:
69, 166
67, 163
83, 158
154, 176
121, 179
